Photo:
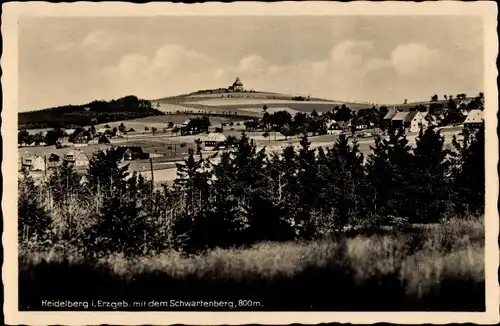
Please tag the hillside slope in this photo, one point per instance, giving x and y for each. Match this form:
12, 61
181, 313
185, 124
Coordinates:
128, 107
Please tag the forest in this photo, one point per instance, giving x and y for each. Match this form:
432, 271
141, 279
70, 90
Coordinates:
321, 216
93, 113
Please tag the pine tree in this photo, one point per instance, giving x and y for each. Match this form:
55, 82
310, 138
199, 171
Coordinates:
104, 173
65, 190
341, 169
33, 221
430, 176
306, 189
64, 183
389, 175
468, 173
192, 184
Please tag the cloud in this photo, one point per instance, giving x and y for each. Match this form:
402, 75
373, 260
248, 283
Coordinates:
350, 70
98, 40
413, 59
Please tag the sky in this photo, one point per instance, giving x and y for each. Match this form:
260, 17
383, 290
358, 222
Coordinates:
380, 59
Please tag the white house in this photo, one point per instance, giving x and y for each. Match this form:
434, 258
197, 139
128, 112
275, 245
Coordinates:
33, 162
418, 120
69, 132
475, 119
213, 140
77, 157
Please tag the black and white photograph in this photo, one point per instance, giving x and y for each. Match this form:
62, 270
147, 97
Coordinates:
245, 161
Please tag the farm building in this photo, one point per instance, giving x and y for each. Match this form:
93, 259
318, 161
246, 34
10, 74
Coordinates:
399, 119
81, 140
131, 153
104, 140
69, 132
474, 120
213, 140
33, 162
416, 120
78, 158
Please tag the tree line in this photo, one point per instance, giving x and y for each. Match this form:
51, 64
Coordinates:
251, 196
69, 116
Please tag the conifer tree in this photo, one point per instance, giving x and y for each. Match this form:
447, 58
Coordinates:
389, 175
192, 184
224, 223
65, 190
306, 189
104, 173
468, 173
430, 176
342, 171
33, 220
64, 183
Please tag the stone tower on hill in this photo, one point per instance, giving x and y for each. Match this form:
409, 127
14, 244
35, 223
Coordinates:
237, 85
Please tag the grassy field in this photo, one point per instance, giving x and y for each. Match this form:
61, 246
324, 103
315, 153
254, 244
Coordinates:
432, 268
160, 122
247, 101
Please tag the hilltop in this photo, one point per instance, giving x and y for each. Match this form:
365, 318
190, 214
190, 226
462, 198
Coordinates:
237, 100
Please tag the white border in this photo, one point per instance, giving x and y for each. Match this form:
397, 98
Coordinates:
11, 11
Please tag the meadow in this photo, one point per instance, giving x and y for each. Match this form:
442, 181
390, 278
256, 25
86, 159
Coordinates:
438, 267
246, 101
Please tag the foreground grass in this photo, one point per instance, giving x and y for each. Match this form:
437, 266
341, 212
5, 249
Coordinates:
438, 267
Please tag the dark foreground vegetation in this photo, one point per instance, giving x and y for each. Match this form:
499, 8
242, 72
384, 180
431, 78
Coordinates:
302, 230
439, 267
93, 113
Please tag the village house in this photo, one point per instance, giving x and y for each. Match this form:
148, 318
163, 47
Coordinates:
399, 119
33, 162
416, 120
78, 158
213, 140
332, 127
103, 140
387, 119
81, 141
69, 132
474, 120
132, 153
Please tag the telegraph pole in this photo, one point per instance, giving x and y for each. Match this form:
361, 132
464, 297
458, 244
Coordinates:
152, 174
45, 163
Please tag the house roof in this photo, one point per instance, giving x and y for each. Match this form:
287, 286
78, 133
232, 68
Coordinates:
76, 155
400, 116
218, 137
390, 114
475, 116
409, 117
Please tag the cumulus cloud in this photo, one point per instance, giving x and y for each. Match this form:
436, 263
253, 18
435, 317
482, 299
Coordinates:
413, 59
351, 70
